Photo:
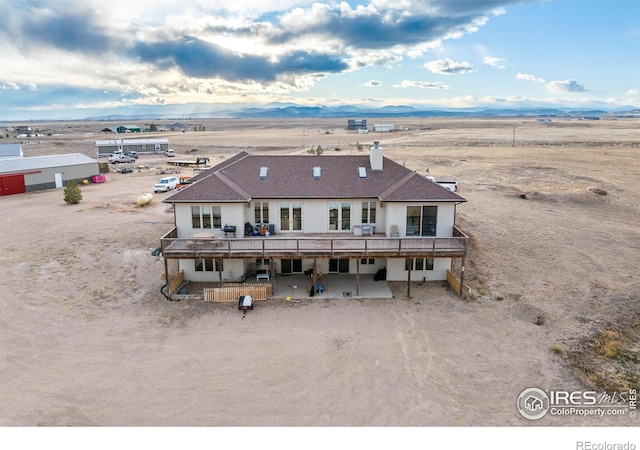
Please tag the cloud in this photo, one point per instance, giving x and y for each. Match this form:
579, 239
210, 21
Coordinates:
5, 86
372, 83
421, 85
156, 50
566, 86
200, 59
498, 63
633, 92
449, 67
527, 77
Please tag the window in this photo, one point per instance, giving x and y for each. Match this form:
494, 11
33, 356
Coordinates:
418, 264
208, 265
261, 212
369, 261
339, 216
290, 216
368, 212
262, 262
217, 217
206, 217
421, 220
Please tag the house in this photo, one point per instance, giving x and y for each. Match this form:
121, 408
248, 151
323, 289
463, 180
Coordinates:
11, 150
351, 214
383, 127
19, 175
353, 124
122, 129
142, 146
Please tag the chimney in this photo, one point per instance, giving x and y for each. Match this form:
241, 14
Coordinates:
375, 157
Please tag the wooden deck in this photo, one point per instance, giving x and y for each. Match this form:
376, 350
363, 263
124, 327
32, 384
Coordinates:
301, 246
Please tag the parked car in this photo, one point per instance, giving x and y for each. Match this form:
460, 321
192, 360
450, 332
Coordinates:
170, 152
133, 154
165, 184
451, 185
120, 158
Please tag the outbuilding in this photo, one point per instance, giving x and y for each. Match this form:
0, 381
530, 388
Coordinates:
11, 150
383, 127
19, 175
142, 146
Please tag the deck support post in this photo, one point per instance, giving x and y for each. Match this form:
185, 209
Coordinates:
315, 276
461, 276
219, 263
166, 274
409, 278
357, 277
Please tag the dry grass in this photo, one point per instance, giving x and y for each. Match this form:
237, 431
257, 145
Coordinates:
609, 360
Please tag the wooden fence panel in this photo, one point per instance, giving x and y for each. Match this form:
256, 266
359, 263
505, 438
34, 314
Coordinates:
176, 282
232, 293
453, 282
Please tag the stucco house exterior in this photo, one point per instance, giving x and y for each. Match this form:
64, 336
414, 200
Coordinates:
353, 214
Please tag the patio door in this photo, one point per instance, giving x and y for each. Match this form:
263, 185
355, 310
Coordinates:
290, 216
339, 266
291, 266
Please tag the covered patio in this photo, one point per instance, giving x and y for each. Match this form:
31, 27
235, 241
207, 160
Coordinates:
334, 285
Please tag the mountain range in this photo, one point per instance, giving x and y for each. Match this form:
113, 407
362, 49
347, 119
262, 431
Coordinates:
292, 111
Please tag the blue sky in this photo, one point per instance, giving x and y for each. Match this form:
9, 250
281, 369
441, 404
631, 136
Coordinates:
69, 58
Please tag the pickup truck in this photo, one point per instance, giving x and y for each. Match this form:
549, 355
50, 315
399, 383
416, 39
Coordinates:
451, 185
120, 158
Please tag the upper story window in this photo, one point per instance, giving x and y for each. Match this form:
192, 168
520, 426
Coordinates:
368, 212
261, 212
206, 217
422, 220
339, 216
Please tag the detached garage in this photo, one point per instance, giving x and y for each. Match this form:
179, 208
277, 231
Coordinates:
36, 173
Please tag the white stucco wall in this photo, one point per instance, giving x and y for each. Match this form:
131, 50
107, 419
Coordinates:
233, 271
396, 272
231, 213
396, 214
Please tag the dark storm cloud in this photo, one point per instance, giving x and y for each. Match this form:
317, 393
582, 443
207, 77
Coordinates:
385, 29
201, 59
69, 29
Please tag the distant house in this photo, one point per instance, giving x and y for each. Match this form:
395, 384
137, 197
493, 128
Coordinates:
142, 146
11, 151
22, 129
383, 127
350, 215
353, 124
176, 126
18, 175
122, 129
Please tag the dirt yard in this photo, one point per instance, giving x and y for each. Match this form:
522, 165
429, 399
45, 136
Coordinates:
553, 213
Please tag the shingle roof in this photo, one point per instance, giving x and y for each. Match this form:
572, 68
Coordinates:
290, 177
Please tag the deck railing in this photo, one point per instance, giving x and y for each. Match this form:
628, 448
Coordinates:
308, 247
